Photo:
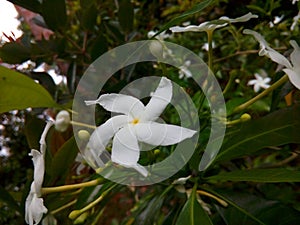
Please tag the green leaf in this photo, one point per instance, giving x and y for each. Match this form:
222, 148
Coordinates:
126, 15
14, 53
33, 129
54, 13
277, 128
177, 20
260, 175
32, 5
264, 211
9, 200
192, 212
21, 92
63, 159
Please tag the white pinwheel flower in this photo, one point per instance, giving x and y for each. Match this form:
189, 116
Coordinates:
184, 70
212, 25
137, 123
292, 68
259, 82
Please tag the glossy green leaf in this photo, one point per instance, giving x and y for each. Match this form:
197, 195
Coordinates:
54, 13
277, 128
33, 130
14, 53
126, 15
63, 159
264, 210
192, 212
260, 175
21, 92
9, 200
177, 20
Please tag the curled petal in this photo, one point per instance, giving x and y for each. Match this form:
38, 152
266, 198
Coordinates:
295, 56
243, 18
294, 77
39, 169
125, 150
161, 134
178, 29
267, 50
278, 58
102, 134
159, 100
120, 103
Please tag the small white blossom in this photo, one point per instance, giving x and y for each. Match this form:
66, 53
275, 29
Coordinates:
62, 121
184, 71
292, 67
137, 123
259, 82
294, 1
212, 25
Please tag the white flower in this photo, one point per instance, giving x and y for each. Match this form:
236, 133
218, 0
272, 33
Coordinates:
292, 69
34, 205
136, 124
62, 121
184, 71
259, 82
212, 25
294, 1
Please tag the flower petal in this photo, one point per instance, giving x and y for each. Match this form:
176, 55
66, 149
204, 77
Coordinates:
178, 29
161, 134
243, 18
294, 77
278, 58
125, 149
295, 56
267, 50
39, 169
120, 103
159, 100
34, 207
102, 134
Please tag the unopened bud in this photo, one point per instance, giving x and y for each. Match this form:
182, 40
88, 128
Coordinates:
84, 135
245, 117
62, 121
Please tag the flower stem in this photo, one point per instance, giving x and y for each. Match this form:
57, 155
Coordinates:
64, 207
210, 48
82, 124
75, 213
221, 201
49, 190
277, 84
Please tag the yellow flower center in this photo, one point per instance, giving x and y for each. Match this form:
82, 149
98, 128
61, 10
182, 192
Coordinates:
135, 121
